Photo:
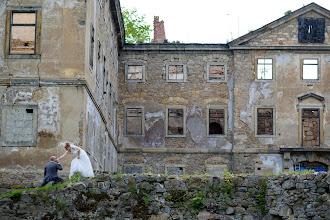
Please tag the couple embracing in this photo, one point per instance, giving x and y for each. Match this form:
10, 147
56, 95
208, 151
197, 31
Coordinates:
80, 164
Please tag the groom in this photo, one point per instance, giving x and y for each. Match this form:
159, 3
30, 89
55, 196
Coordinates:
50, 172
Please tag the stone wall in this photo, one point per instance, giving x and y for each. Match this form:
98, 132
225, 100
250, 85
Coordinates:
177, 197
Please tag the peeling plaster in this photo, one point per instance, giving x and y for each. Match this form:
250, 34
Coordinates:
14, 95
283, 60
49, 111
257, 92
49, 4
156, 115
196, 127
272, 160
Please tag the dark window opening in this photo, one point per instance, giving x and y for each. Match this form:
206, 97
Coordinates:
311, 30
311, 127
316, 166
29, 111
175, 121
216, 121
91, 57
264, 121
134, 121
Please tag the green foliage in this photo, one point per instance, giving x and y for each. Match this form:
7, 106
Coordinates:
136, 29
61, 205
118, 176
166, 172
198, 200
145, 198
195, 173
227, 188
15, 194
133, 190
168, 198
261, 197
287, 12
227, 174
149, 170
76, 177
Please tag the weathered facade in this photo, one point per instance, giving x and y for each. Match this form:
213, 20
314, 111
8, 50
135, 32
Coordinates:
257, 104
58, 72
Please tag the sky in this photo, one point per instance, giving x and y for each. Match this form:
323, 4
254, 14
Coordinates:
213, 21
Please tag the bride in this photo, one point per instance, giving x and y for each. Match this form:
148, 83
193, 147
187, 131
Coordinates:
81, 163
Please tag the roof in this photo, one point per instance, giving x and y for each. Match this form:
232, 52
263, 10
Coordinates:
268, 27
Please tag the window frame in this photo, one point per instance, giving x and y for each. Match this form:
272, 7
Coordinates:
256, 122
218, 107
272, 65
302, 69
142, 122
209, 64
184, 66
135, 64
10, 11
183, 119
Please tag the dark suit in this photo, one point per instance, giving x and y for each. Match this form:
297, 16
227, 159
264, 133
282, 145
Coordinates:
50, 173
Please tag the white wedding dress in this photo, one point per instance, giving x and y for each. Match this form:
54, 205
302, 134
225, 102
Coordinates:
82, 165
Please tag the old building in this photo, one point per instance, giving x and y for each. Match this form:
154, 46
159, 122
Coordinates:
58, 80
258, 104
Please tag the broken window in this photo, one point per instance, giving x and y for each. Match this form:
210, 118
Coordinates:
135, 72
310, 69
311, 30
216, 121
175, 121
175, 72
134, 121
22, 28
91, 56
216, 72
265, 69
265, 121
311, 127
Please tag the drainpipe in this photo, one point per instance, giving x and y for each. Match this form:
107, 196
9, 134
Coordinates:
231, 100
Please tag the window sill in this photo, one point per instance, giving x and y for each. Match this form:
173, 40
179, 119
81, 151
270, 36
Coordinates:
175, 136
216, 81
22, 56
265, 136
137, 136
265, 80
217, 136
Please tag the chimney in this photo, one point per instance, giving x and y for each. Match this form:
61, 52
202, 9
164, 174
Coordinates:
159, 31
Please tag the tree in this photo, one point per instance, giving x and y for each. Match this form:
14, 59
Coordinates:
136, 29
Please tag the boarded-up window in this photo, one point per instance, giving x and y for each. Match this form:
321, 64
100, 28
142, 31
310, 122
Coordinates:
264, 121
134, 72
216, 121
175, 121
311, 127
217, 72
134, 121
175, 72
310, 69
265, 69
23, 32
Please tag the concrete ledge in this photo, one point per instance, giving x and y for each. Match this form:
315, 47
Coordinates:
196, 151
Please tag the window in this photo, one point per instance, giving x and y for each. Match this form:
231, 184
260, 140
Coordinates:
310, 69
176, 72
264, 69
216, 122
175, 123
134, 122
216, 72
91, 56
311, 127
99, 63
23, 32
105, 77
19, 125
311, 30
265, 125
134, 72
